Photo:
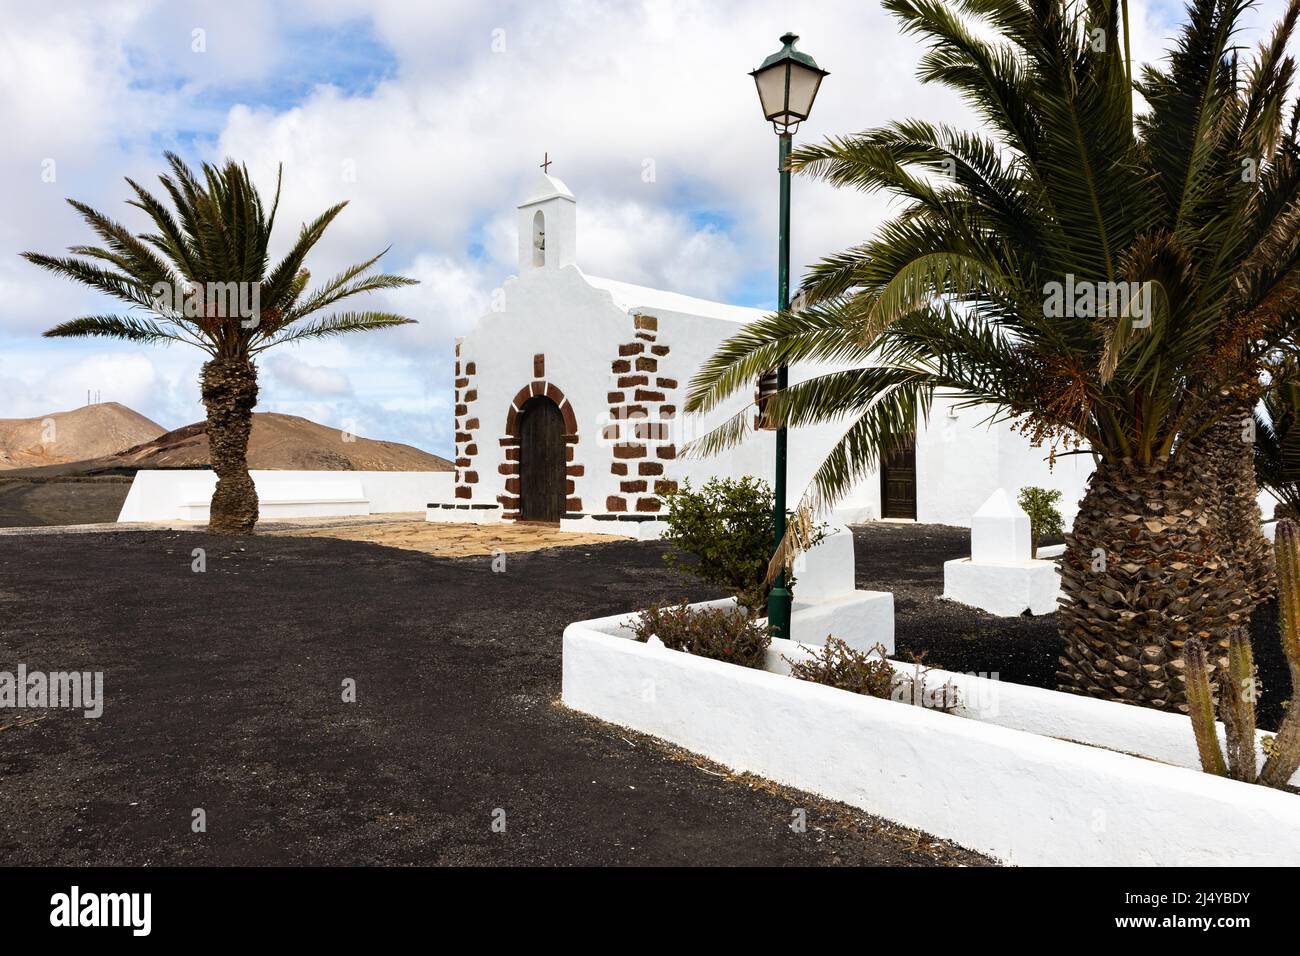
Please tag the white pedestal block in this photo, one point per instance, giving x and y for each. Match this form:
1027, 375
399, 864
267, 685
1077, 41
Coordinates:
999, 531
1007, 590
861, 619
827, 569
827, 602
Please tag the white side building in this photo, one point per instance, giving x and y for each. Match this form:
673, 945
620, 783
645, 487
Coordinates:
569, 399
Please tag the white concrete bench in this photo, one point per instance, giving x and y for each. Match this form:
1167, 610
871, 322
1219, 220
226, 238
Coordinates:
463, 512
294, 498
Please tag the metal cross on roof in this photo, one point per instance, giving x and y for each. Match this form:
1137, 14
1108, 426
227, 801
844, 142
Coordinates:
546, 162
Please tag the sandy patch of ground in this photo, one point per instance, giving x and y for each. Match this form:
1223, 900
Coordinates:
450, 540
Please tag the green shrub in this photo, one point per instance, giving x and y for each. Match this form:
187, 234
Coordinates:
722, 634
839, 665
870, 673
1044, 517
726, 526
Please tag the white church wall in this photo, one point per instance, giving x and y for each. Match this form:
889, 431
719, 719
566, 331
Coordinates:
962, 458
617, 359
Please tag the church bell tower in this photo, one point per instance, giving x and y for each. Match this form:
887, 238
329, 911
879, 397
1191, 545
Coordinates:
547, 226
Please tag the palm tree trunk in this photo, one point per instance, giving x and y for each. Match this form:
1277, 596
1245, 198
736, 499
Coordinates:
229, 395
1226, 452
1142, 572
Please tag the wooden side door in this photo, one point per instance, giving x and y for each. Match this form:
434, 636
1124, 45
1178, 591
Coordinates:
898, 484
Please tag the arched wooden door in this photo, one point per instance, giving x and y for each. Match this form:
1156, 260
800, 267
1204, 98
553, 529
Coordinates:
541, 461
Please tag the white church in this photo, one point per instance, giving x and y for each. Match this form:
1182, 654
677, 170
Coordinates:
569, 398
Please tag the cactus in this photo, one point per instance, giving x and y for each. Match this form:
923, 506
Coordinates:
1237, 687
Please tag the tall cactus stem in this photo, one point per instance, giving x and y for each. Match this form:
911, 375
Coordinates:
1237, 706
1280, 767
1200, 707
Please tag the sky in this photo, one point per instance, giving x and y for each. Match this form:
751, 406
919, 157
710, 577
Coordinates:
430, 117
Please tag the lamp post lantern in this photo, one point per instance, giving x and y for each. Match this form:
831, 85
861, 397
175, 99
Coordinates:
787, 83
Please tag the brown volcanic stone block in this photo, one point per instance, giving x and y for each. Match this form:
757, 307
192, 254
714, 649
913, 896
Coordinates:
665, 487
644, 364
652, 431
572, 504
471, 424
660, 349
575, 471
471, 368
463, 492
615, 503
650, 468
666, 382
629, 451
620, 365
539, 366
666, 451
613, 397
644, 395
631, 348
648, 504
618, 468
635, 485
627, 381
649, 323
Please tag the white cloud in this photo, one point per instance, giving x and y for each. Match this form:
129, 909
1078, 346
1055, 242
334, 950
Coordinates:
315, 380
433, 158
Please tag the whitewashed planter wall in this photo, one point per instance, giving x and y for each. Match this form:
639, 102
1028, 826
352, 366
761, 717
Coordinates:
998, 780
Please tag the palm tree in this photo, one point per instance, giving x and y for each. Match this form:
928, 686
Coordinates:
204, 279
1096, 276
1277, 448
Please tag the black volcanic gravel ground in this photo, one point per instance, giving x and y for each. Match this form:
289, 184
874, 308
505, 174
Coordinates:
224, 693
907, 559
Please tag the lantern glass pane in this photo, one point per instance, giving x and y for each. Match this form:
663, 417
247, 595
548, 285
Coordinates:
771, 90
803, 89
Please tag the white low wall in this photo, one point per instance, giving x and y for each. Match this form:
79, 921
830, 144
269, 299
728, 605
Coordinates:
171, 495
998, 779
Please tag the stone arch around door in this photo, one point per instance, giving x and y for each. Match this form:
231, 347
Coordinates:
541, 432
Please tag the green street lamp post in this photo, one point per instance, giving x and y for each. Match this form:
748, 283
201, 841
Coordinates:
787, 84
